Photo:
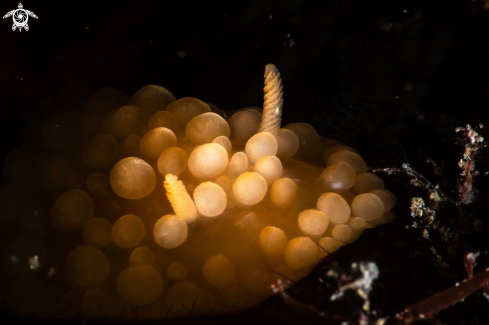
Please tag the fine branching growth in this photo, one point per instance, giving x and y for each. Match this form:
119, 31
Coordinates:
429, 214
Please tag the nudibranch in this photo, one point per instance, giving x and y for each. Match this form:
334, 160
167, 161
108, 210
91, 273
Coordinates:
151, 207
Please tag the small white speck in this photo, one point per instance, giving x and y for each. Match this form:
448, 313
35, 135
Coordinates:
21, 78
420, 117
86, 27
13, 258
33, 262
405, 11
271, 16
182, 54
397, 96
151, 41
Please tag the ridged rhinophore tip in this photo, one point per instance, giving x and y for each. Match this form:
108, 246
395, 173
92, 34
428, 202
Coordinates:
270, 68
170, 178
273, 101
180, 200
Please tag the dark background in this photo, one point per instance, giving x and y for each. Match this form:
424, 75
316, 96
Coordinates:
363, 72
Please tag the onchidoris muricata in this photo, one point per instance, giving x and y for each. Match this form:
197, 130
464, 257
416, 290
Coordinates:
148, 207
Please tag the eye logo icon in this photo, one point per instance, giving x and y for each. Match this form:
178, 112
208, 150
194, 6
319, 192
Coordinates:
20, 17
